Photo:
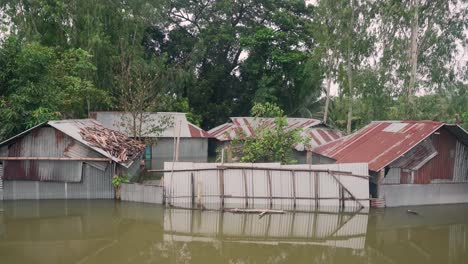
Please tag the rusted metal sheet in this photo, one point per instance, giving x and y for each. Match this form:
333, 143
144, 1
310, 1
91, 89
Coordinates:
54, 139
379, 143
95, 184
460, 173
119, 121
76, 150
313, 129
416, 157
41, 142
439, 169
63, 171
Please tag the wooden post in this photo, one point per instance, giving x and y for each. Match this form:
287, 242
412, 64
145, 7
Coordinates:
270, 191
309, 157
293, 181
221, 186
244, 176
199, 192
178, 142
192, 186
229, 153
316, 189
380, 177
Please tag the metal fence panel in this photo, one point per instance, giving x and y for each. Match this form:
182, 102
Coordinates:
276, 186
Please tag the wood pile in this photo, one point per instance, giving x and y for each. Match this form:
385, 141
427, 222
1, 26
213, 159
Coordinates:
115, 143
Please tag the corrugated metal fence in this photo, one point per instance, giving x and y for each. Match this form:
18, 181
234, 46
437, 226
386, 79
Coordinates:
141, 193
286, 187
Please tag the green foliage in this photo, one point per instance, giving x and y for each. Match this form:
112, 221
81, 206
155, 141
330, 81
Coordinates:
268, 144
40, 83
216, 59
119, 179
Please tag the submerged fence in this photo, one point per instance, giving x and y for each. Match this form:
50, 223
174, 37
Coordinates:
275, 186
141, 193
326, 229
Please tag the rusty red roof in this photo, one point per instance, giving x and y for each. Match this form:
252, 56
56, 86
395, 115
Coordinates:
379, 143
313, 129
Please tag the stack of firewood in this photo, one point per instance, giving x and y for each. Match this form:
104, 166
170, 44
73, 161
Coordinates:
115, 143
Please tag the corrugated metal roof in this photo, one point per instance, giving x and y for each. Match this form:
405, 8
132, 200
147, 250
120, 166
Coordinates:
72, 128
151, 124
416, 157
379, 143
313, 129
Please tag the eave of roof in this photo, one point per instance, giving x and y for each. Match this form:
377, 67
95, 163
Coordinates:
376, 145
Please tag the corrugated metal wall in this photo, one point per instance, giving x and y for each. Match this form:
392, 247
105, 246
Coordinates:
258, 188
440, 168
95, 184
450, 165
460, 173
327, 229
46, 142
190, 149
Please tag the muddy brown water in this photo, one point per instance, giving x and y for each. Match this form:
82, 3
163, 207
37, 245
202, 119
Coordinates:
121, 232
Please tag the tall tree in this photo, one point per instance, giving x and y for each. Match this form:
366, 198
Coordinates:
419, 42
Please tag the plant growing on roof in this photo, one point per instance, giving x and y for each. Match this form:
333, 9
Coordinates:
268, 143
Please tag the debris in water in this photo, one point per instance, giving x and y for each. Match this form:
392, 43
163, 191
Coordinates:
412, 212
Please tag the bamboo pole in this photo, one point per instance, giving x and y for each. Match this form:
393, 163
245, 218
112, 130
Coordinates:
343, 173
178, 141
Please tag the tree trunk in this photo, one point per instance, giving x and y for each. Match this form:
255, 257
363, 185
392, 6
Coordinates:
327, 100
350, 86
413, 58
349, 72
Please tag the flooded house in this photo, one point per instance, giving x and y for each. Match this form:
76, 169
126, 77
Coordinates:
159, 132
410, 162
66, 159
314, 131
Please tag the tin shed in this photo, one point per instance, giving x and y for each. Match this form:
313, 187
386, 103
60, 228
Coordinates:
159, 131
314, 130
410, 162
55, 160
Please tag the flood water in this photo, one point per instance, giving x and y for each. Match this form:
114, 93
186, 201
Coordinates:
120, 232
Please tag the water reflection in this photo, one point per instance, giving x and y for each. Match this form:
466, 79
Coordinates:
108, 232
326, 229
